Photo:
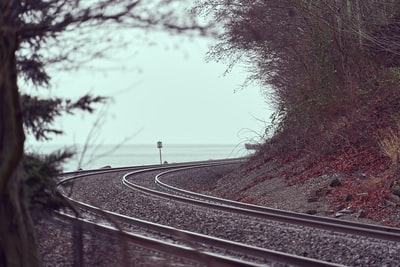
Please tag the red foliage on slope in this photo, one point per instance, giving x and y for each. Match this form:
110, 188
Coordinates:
365, 172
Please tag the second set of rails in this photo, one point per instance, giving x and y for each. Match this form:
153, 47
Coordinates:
210, 249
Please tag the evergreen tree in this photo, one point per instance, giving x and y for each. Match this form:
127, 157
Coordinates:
33, 35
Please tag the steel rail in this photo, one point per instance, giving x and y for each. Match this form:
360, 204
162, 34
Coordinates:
214, 241
192, 236
178, 250
78, 174
349, 227
179, 164
383, 232
86, 173
186, 252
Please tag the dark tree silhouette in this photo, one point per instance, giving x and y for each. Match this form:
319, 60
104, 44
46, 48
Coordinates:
33, 35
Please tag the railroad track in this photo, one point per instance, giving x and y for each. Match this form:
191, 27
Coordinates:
180, 238
214, 251
368, 230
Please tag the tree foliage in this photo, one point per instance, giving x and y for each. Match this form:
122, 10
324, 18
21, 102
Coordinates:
40, 171
36, 35
39, 114
326, 61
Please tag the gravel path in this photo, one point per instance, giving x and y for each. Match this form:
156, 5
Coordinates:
108, 192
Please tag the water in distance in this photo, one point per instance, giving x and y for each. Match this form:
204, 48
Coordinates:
98, 156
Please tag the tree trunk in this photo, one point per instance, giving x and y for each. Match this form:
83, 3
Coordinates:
18, 245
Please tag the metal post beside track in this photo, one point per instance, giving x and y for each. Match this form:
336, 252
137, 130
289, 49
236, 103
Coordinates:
159, 146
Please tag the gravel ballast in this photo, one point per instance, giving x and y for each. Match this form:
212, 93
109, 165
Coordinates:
108, 192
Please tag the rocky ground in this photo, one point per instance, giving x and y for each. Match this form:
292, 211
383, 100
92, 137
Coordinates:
310, 196
286, 185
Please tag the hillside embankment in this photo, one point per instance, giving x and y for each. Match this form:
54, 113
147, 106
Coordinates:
357, 185
331, 70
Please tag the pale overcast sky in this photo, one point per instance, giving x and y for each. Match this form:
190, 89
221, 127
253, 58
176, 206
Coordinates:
162, 92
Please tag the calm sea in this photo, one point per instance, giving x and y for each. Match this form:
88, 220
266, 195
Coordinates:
133, 155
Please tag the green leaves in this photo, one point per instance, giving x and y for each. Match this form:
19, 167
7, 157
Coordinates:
40, 179
85, 103
39, 114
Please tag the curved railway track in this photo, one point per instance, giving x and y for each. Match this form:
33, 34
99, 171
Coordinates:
369, 230
208, 250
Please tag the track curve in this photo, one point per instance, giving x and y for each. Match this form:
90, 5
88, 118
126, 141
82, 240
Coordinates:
256, 216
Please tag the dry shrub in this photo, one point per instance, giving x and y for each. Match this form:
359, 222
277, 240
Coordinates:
390, 145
